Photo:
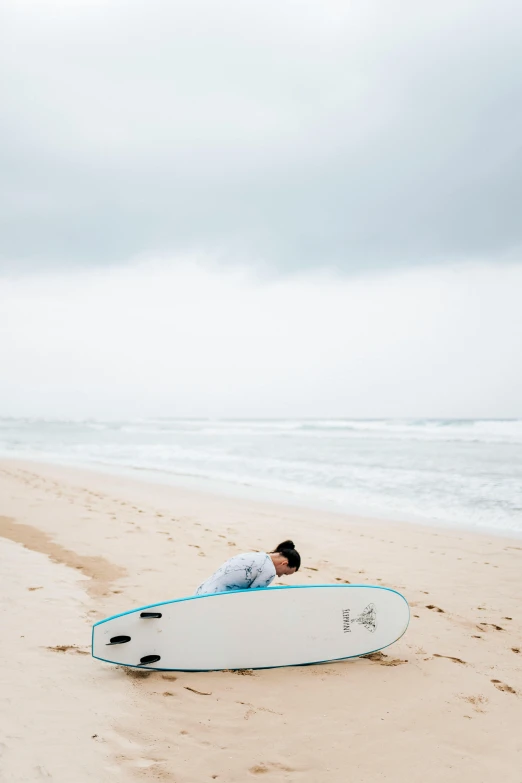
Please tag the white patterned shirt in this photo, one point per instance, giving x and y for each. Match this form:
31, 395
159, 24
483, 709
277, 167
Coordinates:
249, 570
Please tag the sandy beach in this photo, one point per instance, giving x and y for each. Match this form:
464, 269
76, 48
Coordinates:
442, 704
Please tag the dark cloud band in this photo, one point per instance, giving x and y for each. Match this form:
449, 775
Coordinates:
355, 138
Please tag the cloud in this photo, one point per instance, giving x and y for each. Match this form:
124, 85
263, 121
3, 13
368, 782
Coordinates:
181, 339
346, 135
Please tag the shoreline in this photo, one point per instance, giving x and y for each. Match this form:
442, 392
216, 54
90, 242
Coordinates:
249, 493
78, 546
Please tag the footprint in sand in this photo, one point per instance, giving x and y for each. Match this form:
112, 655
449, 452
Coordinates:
478, 702
66, 648
501, 686
199, 693
136, 674
435, 608
382, 659
491, 625
515, 649
269, 766
450, 658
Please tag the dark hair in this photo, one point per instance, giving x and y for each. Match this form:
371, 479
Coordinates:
288, 550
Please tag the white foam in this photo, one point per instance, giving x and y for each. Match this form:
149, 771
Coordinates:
456, 472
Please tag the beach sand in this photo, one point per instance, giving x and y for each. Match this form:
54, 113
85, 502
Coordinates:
442, 704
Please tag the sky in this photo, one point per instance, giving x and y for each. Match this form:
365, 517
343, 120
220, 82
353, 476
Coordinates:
223, 208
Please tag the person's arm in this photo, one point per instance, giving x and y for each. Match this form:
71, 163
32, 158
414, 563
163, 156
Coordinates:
263, 579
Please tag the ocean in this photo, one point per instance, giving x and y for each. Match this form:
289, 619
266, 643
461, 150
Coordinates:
463, 473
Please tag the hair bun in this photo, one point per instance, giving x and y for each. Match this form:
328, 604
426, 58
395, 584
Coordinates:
288, 550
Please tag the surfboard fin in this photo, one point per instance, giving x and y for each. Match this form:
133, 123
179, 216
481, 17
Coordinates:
118, 640
150, 659
157, 615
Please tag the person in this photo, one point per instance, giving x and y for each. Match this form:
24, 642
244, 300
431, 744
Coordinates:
252, 570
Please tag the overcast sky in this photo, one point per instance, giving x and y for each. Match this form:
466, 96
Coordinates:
225, 208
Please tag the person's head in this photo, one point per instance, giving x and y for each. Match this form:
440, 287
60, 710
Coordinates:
286, 559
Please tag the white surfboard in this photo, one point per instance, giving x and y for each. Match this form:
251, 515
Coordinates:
254, 629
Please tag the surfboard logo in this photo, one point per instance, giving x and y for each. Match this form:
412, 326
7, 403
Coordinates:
368, 618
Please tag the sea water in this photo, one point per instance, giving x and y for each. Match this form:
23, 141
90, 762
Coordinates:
465, 473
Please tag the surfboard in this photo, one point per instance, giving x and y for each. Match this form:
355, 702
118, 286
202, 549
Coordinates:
254, 629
